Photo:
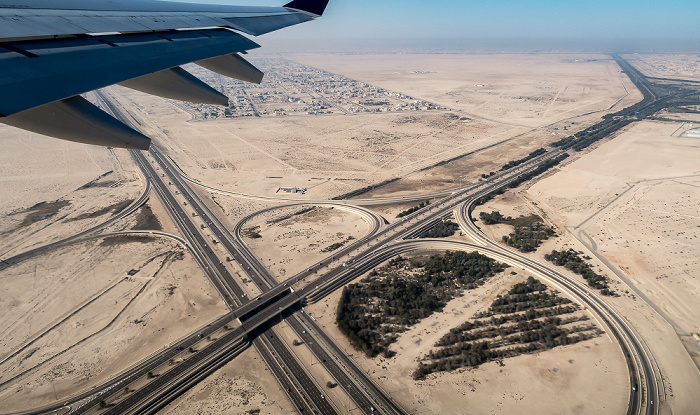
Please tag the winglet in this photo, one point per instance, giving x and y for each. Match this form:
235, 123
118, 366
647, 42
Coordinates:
312, 6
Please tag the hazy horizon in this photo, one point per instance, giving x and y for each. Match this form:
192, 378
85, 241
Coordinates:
504, 26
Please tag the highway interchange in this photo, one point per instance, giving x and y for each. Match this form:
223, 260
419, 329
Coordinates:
253, 320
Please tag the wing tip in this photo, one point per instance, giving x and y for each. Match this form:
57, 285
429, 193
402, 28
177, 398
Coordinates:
316, 7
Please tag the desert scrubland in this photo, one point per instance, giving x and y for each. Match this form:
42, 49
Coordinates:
72, 317
632, 204
367, 148
432, 122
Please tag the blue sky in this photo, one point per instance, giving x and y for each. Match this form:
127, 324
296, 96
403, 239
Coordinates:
641, 24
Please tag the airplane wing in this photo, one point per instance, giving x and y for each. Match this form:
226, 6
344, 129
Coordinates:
53, 51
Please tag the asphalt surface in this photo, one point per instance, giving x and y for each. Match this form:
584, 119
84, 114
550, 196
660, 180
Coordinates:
639, 363
357, 258
234, 244
220, 277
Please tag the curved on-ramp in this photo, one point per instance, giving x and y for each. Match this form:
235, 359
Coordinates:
635, 355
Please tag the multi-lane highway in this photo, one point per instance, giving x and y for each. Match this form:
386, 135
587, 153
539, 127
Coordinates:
326, 282
220, 276
253, 319
336, 362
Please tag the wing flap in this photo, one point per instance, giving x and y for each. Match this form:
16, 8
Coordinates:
178, 84
233, 66
75, 119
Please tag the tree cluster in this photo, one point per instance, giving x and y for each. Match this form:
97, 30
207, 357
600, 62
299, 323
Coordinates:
372, 312
519, 180
529, 238
365, 189
413, 209
529, 157
508, 332
573, 261
539, 170
332, 247
529, 230
441, 230
493, 218
252, 232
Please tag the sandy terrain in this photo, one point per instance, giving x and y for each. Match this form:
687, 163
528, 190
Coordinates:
291, 244
553, 382
529, 90
89, 320
530, 99
675, 66
543, 98
632, 202
329, 155
243, 386
36, 169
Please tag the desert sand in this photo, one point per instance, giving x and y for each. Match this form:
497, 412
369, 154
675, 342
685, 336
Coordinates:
531, 100
36, 169
82, 319
521, 101
528, 90
672, 66
556, 381
288, 245
632, 204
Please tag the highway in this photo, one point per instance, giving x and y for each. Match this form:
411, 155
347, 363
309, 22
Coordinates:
229, 289
208, 239
639, 363
325, 283
336, 362
216, 270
